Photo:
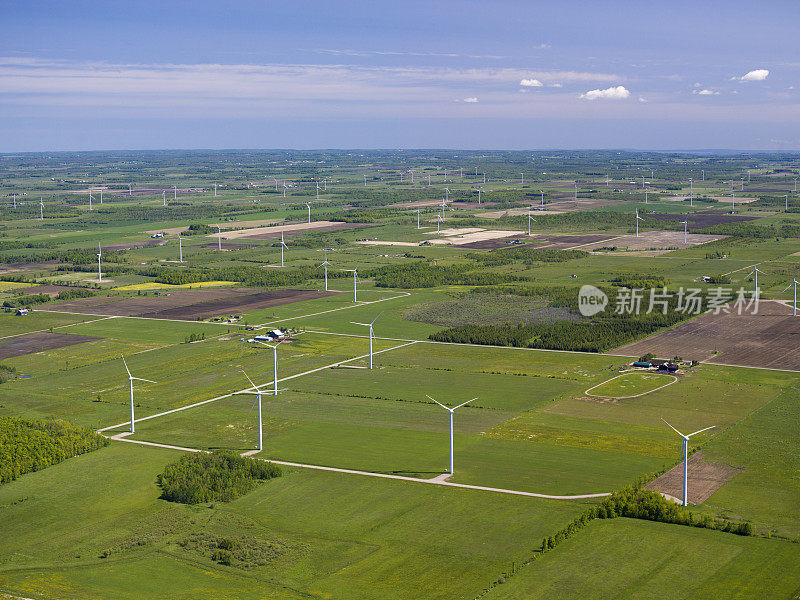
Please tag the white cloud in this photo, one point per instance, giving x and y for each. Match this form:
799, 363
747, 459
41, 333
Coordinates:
612, 93
470, 100
757, 75
642, 100
697, 84
531, 83
705, 92
556, 85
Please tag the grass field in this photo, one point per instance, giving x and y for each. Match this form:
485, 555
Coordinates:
651, 558
335, 535
630, 385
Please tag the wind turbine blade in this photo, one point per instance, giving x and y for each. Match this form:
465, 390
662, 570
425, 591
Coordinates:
788, 286
250, 380
437, 402
700, 431
126, 366
463, 403
376, 318
140, 379
364, 324
673, 429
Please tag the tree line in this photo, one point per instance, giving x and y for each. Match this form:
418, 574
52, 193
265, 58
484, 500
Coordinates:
28, 445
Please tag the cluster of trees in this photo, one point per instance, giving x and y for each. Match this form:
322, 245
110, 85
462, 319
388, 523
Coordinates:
638, 280
198, 229
7, 373
425, 275
528, 255
27, 445
596, 334
219, 476
194, 337
32, 299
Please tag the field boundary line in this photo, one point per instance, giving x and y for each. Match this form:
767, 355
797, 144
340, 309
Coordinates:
587, 392
222, 397
122, 437
46, 330
66, 312
404, 295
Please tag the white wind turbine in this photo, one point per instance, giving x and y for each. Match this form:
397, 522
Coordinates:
686, 457
274, 365
417, 218
41, 209
451, 411
794, 284
691, 192
355, 280
257, 392
755, 273
219, 238
175, 197
90, 199
325, 264
131, 378
542, 193
371, 335
685, 227
638, 218
283, 245
530, 218
163, 197
180, 248
308, 206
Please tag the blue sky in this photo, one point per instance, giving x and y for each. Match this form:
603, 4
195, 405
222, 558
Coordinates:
83, 75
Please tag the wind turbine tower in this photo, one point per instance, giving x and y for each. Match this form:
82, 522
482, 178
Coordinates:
371, 335
131, 379
451, 411
686, 457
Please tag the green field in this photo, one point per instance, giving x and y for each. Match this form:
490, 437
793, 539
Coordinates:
367, 509
630, 385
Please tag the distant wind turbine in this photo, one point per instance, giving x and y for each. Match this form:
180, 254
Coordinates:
257, 392
219, 238
325, 264
99, 268
685, 227
41, 209
355, 281
794, 284
371, 335
686, 457
755, 273
638, 218
451, 411
131, 379
283, 245
308, 206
